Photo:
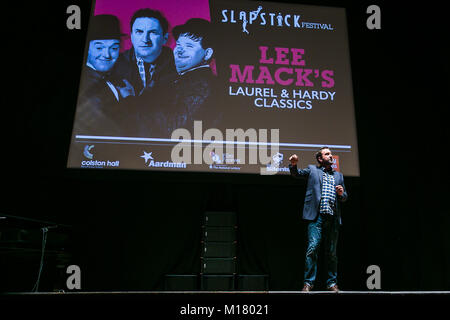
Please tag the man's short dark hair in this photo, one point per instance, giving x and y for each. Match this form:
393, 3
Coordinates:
319, 153
150, 13
197, 29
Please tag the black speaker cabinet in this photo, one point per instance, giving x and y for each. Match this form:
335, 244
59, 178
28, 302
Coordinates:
220, 219
181, 282
219, 249
217, 282
218, 265
218, 234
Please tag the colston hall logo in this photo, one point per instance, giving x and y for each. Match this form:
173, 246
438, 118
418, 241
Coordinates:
88, 153
269, 19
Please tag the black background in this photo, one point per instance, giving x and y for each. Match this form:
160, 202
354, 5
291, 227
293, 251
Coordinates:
131, 227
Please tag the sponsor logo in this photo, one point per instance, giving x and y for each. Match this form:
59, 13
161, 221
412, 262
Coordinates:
227, 158
87, 151
277, 169
275, 166
277, 159
92, 163
182, 152
225, 163
148, 157
215, 157
99, 163
166, 164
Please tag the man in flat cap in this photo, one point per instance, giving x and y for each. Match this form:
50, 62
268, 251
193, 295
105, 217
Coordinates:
194, 90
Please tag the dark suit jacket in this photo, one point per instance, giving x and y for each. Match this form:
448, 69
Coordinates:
314, 174
194, 98
98, 111
165, 71
190, 97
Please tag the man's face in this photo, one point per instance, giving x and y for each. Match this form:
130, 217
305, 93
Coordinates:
327, 157
148, 38
188, 53
103, 54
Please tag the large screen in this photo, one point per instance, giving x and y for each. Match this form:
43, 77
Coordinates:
215, 86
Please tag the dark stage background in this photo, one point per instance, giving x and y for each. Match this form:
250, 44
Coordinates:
131, 228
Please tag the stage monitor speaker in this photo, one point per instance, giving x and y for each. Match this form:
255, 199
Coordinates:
217, 282
253, 282
220, 219
181, 282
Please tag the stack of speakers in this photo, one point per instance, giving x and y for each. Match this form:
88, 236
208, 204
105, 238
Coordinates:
218, 269
218, 258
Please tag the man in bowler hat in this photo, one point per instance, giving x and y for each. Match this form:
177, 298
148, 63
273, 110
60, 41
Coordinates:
100, 109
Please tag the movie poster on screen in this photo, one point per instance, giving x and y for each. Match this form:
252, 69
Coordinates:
274, 66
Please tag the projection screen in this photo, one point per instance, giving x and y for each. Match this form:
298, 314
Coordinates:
214, 86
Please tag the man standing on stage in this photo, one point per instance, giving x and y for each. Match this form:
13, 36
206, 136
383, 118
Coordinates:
325, 189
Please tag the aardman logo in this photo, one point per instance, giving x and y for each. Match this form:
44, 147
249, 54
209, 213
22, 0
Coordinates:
150, 162
147, 156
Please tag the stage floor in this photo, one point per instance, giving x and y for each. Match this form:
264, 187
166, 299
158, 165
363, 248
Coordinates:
362, 293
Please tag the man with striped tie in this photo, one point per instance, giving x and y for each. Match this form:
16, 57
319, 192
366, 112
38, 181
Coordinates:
148, 64
324, 192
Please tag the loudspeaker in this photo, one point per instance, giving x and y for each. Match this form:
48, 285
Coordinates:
218, 265
220, 219
219, 249
218, 234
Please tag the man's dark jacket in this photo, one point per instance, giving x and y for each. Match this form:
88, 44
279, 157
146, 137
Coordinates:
314, 174
98, 110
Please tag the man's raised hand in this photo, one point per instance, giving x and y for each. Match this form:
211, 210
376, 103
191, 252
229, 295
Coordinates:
293, 159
